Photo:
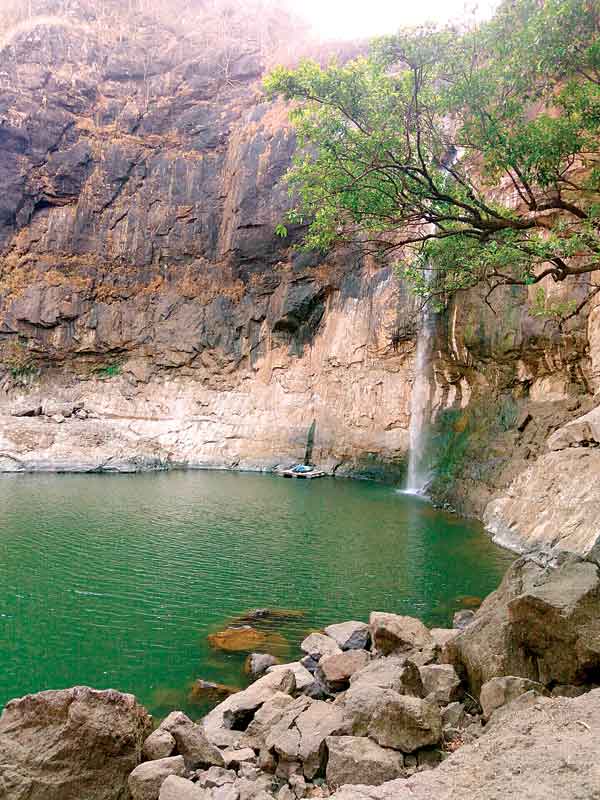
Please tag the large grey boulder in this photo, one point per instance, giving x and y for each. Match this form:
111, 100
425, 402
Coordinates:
350, 635
392, 720
541, 624
393, 672
396, 634
440, 683
335, 671
146, 779
547, 750
71, 744
353, 759
500, 691
317, 645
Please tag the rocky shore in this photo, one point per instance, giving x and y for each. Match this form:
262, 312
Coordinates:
503, 705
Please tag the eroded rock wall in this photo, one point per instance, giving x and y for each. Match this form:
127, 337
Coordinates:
141, 274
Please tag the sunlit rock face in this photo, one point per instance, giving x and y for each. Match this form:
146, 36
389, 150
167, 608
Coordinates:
141, 277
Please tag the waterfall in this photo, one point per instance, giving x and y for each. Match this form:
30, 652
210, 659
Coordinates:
419, 472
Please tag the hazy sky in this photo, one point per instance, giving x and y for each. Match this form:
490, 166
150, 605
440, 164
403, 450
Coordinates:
346, 19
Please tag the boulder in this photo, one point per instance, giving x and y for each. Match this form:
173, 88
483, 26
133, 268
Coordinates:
541, 624
499, 692
71, 744
268, 715
353, 759
335, 671
160, 744
176, 788
146, 779
192, 743
299, 735
236, 712
393, 672
350, 635
392, 720
302, 676
547, 749
393, 634
318, 645
257, 664
440, 683
315, 724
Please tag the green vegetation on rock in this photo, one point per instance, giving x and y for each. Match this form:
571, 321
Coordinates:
469, 155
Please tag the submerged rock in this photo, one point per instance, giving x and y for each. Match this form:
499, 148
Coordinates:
71, 744
245, 638
214, 692
267, 615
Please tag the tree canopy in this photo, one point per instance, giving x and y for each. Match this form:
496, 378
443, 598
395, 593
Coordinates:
471, 155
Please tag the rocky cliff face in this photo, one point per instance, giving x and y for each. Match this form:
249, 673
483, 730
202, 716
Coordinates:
149, 310
142, 276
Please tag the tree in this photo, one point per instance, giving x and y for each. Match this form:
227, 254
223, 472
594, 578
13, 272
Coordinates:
470, 155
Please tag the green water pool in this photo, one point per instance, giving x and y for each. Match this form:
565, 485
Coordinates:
116, 581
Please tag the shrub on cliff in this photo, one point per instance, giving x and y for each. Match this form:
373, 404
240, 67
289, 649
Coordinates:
470, 155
